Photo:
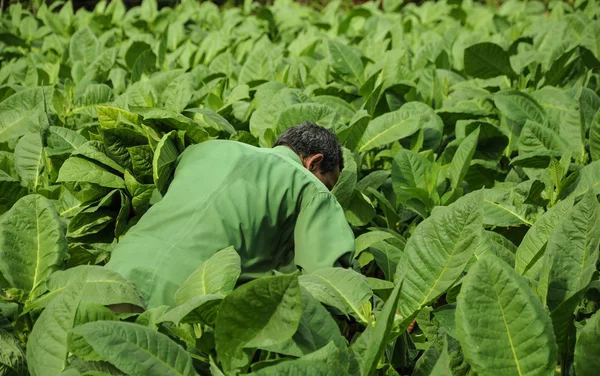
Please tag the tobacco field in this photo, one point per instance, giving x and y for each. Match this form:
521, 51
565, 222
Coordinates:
471, 137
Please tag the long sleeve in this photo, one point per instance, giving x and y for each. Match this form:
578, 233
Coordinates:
322, 235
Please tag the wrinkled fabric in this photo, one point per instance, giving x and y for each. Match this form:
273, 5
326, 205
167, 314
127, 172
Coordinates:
263, 202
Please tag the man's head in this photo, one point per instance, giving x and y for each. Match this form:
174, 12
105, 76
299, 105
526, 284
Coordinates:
318, 148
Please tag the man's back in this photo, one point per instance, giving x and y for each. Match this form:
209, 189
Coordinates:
224, 194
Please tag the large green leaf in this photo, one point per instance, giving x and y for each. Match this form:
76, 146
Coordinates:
438, 252
63, 141
462, 159
351, 136
12, 355
300, 367
164, 160
536, 138
344, 289
595, 137
84, 46
316, 329
530, 250
387, 258
33, 244
396, 125
81, 170
588, 346
413, 177
47, 348
135, 349
574, 249
487, 60
344, 188
12, 191
587, 179
369, 347
591, 40
22, 112
98, 285
217, 275
173, 120
261, 313
346, 62
519, 106
30, 161
502, 327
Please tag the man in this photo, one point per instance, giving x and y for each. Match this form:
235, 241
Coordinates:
273, 206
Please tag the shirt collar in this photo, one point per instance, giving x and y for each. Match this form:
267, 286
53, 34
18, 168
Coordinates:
287, 152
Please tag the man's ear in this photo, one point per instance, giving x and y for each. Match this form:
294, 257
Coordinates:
313, 163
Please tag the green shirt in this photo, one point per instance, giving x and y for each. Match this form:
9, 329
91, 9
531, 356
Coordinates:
263, 202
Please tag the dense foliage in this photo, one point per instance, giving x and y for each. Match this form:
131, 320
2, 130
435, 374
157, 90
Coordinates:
472, 139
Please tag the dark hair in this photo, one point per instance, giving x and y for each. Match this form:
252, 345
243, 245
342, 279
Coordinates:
309, 139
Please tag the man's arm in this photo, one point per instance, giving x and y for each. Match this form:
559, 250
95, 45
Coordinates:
322, 235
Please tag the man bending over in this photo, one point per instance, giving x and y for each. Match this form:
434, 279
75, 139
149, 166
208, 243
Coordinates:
273, 206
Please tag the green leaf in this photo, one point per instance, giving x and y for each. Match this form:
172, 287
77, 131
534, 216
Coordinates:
361, 210
135, 349
345, 62
396, 125
94, 150
367, 239
498, 245
502, 327
530, 251
519, 107
588, 179
370, 346
12, 356
503, 208
88, 312
98, 285
47, 348
595, 137
22, 112
32, 244
30, 161
111, 117
217, 275
300, 367
141, 160
344, 188
63, 141
164, 160
588, 346
301, 112
316, 329
438, 252
210, 119
12, 191
174, 120
116, 144
487, 60
344, 289
443, 366
387, 258
412, 177
81, 170
536, 138
462, 159
574, 249
350, 136
591, 40
198, 309
84, 46
261, 313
